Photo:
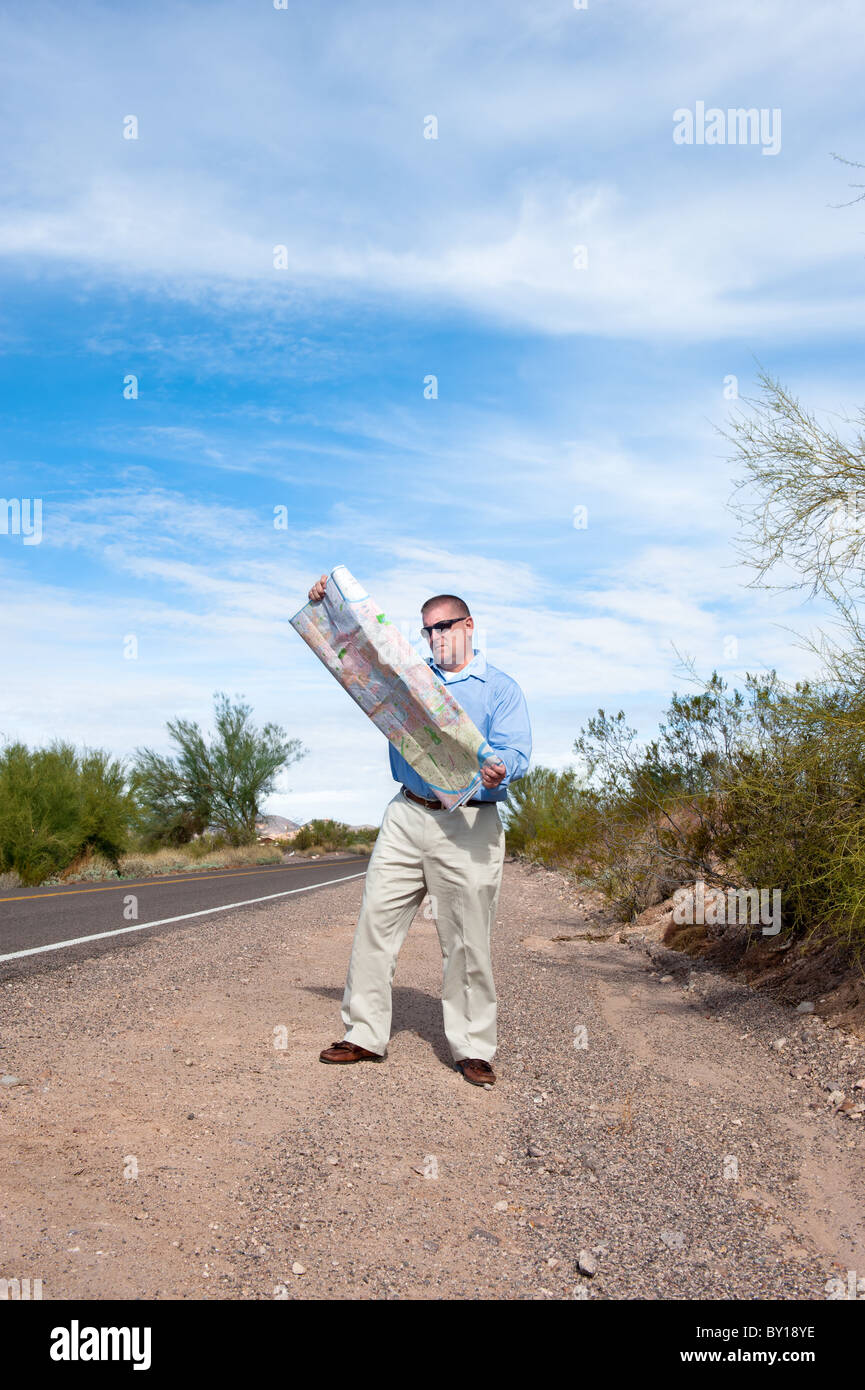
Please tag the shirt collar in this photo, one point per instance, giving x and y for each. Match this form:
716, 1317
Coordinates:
476, 667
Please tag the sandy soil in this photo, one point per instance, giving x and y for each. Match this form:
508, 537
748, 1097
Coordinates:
173, 1135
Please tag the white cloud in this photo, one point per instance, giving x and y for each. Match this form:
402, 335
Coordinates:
545, 145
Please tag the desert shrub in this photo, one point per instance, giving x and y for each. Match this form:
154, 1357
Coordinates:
147, 864
322, 836
762, 788
204, 846
656, 813
549, 816
794, 809
56, 805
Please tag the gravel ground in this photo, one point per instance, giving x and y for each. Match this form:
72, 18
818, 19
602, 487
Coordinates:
172, 1133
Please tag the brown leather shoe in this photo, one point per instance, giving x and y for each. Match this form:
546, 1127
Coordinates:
348, 1052
477, 1071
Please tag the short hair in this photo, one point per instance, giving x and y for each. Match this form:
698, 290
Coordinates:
462, 606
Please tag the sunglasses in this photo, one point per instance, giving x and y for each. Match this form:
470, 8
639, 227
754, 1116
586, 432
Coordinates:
442, 627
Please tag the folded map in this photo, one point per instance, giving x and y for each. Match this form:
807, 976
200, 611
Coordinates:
400, 692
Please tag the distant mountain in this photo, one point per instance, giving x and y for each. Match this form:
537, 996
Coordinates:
275, 827
279, 828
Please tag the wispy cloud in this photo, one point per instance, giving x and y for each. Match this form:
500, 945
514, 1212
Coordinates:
543, 145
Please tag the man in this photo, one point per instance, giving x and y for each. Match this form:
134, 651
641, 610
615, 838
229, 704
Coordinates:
456, 857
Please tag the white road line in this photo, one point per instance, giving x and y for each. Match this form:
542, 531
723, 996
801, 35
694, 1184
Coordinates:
164, 921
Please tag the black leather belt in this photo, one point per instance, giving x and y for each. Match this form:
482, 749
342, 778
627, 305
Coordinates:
437, 805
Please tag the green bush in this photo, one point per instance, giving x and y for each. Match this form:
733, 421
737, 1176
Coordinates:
56, 805
549, 816
205, 845
761, 788
793, 811
327, 835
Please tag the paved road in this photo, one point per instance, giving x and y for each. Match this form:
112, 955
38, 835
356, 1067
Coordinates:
39, 926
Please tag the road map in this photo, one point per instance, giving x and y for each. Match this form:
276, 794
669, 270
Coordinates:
400, 692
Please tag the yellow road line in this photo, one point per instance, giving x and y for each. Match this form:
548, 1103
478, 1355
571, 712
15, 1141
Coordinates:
159, 882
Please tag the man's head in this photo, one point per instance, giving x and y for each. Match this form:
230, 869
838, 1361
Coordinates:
451, 645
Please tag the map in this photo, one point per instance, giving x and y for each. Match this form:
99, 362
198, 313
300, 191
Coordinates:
400, 692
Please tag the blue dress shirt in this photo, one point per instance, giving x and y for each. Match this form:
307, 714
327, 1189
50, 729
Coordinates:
496, 705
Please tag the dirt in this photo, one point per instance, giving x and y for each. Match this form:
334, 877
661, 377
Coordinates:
173, 1134
817, 968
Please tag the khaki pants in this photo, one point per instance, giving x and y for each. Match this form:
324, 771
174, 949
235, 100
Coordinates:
456, 857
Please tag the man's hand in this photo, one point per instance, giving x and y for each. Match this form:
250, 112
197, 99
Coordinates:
318, 588
492, 773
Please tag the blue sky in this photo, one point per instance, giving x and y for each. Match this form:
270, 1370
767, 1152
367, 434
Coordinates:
303, 387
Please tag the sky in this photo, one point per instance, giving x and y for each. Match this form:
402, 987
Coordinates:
423, 281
